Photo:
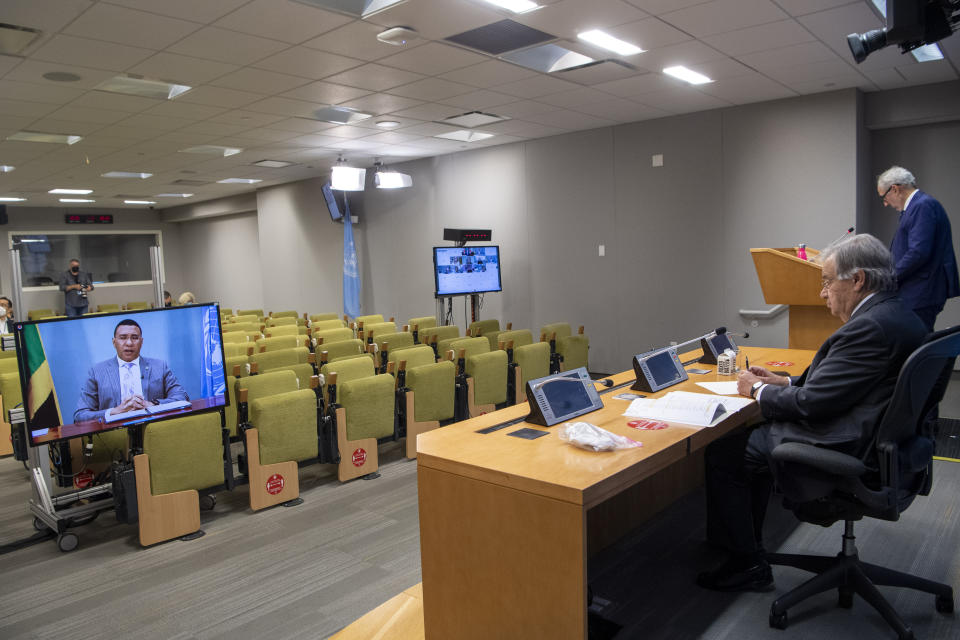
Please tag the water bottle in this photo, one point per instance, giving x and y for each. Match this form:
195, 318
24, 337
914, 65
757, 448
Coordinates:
802, 251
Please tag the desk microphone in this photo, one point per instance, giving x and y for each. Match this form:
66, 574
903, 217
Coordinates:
842, 236
722, 330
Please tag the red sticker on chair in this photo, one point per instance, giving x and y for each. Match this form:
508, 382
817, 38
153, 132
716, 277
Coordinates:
274, 484
779, 363
83, 479
359, 457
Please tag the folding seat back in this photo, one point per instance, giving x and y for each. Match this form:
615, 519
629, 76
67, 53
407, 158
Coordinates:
253, 336
8, 365
268, 360
231, 363
519, 337
469, 346
322, 317
246, 318
325, 337
266, 384
561, 329
369, 319
346, 370
415, 356
332, 323
387, 342
343, 349
483, 375
107, 308
370, 331
281, 321
420, 323
180, 457
37, 314
280, 342
435, 336
569, 350
138, 305
365, 413
235, 336
284, 314
428, 395
225, 312
488, 329
258, 313
285, 330
233, 349
10, 391
246, 327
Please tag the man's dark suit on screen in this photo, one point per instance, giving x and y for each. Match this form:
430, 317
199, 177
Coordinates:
923, 255
101, 391
837, 401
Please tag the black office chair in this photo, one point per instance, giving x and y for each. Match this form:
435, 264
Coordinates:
823, 486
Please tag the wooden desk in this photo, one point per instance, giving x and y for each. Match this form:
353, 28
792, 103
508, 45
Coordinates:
506, 525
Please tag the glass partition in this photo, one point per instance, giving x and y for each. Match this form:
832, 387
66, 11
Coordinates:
113, 257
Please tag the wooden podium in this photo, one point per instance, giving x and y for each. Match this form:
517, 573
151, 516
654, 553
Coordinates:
786, 279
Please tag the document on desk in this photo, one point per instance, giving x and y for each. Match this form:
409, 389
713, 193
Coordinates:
697, 409
725, 388
151, 409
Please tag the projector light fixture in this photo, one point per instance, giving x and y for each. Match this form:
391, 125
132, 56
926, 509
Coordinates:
346, 178
687, 75
386, 179
606, 41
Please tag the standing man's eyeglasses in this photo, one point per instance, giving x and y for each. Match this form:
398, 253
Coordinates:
883, 198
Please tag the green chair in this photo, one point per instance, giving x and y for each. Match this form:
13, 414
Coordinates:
387, 342
236, 336
8, 365
569, 351
180, 458
247, 318
131, 306
528, 360
482, 376
488, 329
323, 317
225, 313
231, 349
280, 342
325, 337
285, 330
108, 308
434, 336
37, 314
274, 321
369, 319
258, 313
418, 324
246, 327
370, 331
299, 360
340, 350
427, 395
284, 314
322, 325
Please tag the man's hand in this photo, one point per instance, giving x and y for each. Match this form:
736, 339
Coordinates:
132, 403
748, 377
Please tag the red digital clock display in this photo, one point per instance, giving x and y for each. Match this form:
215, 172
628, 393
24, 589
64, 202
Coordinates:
88, 218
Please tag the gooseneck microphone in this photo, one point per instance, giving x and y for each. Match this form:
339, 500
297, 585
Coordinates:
722, 330
842, 236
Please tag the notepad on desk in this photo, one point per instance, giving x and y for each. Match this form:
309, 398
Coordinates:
151, 409
697, 409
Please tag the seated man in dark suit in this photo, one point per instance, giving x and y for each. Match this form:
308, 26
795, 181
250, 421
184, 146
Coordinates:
127, 382
837, 402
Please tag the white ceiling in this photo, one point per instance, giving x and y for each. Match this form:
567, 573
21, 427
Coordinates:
260, 69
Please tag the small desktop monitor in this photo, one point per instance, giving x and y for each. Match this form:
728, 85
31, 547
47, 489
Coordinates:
461, 271
658, 370
716, 344
562, 396
95, 373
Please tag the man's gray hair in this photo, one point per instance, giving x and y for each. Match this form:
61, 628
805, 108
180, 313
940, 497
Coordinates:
895, 175
863, 252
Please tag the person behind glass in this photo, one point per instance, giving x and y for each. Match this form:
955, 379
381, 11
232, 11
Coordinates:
75, 285
837, 402
167, 299
187, 298
922, 248
6, 315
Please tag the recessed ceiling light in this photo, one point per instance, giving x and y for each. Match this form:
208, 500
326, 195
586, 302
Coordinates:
549, 58
39, 136
12, 199
397, 36
239, 181
388, 124
356, 8
465, 136
687, 75
125, 174
139, 202
213, 150
6, 168
606, 41
143, 87
474, 119
516, 6
272, 164
340, 115
14, 38
76, 200
173, 195
75, 192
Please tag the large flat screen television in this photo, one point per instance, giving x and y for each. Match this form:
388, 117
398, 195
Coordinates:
95, 373
464, 270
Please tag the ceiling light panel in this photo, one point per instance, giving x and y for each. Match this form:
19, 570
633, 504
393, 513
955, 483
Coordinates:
139, 202
173, 195
356, 8
687, 75
549, 58
75, 200
71, 192
39, 136
14, 38
500, 37
12, 199
606, 41
272, 164
143, 87
213, 150
465, 136
126, 174
474, 119
6, 168
239, 181
340, 115
516, 6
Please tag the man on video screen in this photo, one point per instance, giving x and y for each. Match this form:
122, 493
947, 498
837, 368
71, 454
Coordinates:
127, 382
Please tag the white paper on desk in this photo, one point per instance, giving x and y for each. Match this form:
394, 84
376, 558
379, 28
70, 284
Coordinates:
725, 388
697, 409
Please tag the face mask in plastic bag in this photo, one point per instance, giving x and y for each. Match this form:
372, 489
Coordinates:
592, 438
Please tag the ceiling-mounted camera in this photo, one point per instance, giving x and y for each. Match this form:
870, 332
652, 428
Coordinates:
910, 24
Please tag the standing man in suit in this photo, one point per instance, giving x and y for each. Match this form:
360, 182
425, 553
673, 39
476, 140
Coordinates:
837, 402
127, 382
922, 247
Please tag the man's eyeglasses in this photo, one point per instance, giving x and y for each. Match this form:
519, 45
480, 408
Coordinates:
826, 282
883, 198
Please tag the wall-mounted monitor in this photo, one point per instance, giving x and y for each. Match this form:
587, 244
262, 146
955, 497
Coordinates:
465, 270
82, 376
334, 207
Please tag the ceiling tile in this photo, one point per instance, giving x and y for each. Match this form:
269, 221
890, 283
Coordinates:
798, 54
282, 20
803, 7
685, 53
58, 125
227, 46
49, 16
597, 73
539, 85
481, 99
160, 123
886, 79
205, 12
325, 92
760, 38
723, 15
308, 63
81, 114
683, 100
211, 128
285, 107
429, 112
379, 103
392, 137
432, 58
933, 71
357, 39
567, 18
33, 70
178, 109
437, 19
575, 97
621, 110
8, 62
572, 120
522, 128
374, 77
524, 109
301, 125
49, 92
430, 129
22, 108
830, 69
830, 83
220, 97
649, 33
746, 89
128, 26
346, 131
637, 85
258, 80
90, 53
488, 74
832, 27
172, 67
269, 135
115, 101
431, 89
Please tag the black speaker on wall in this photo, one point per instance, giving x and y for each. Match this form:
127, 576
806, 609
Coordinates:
3, 214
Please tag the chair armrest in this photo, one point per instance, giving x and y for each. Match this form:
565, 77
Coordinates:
827, 460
